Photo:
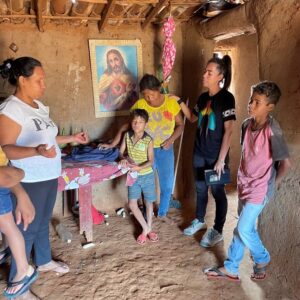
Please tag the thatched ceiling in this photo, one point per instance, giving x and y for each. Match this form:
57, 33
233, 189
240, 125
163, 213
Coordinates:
113, 12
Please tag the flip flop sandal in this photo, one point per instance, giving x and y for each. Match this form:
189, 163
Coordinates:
259, 271
141, 240
153, 237
220, 275
25, 282
5, 255
55, 266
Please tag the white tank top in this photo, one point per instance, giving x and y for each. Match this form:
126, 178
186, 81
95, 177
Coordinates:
36, 128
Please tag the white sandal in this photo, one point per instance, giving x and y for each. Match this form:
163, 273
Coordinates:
54, 266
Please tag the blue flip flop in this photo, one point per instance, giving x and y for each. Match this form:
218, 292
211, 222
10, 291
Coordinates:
26, 282
6, 254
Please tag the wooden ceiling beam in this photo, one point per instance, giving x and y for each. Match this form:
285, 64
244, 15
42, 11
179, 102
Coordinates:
122, 2
105, 16
155, 10
134, 19
187, 2
40, 5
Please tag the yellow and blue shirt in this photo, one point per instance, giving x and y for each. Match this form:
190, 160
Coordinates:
138, 151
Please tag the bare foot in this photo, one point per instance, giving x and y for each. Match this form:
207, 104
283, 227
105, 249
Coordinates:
25, 280
54, 266
259, 271
146, 231
220, 273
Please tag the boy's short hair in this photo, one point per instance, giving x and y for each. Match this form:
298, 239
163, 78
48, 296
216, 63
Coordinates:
269, 89
138, 112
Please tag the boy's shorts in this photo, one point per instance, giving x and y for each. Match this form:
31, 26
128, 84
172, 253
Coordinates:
5, 201
144, 184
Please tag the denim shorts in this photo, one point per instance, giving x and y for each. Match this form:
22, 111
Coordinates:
5, 201
144, 184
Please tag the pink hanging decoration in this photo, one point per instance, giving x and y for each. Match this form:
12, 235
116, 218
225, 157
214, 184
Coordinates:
169, 50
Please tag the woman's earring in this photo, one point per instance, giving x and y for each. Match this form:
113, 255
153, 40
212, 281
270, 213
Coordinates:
222, 83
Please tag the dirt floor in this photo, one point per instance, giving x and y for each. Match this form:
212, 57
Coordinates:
118, 268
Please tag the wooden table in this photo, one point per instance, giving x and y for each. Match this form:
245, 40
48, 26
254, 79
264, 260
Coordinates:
81, 176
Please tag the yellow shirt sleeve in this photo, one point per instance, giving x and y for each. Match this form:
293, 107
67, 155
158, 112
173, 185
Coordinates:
3, 159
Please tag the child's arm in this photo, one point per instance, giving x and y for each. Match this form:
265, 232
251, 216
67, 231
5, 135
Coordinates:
149, 162
117, 138
10, 176
123, 160
25, 210
284, 166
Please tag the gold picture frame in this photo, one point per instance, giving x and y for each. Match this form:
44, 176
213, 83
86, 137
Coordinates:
116, 67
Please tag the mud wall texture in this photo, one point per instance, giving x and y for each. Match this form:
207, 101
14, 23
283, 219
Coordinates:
64, 53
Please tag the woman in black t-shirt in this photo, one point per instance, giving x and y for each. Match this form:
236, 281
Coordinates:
215, 113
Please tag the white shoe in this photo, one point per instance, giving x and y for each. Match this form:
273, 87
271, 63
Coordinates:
195, 226
211, 238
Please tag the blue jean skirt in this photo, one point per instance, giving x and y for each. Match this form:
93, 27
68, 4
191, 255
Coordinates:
5, 201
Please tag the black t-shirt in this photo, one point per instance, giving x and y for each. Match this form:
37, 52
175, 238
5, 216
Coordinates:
212, 113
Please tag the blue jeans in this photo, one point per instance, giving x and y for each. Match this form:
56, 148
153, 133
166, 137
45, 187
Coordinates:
164, 165
217, 190
246, 235
42, 195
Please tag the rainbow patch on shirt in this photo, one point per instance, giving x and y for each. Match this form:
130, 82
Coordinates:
207, 111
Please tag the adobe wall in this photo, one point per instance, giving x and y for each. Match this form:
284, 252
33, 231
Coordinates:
64, 53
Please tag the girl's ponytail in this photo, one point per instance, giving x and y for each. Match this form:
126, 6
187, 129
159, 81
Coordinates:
227, 71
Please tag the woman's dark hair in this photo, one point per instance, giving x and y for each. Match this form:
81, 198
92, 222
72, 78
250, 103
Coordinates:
224, 67
149, 82
138, 112
13, 69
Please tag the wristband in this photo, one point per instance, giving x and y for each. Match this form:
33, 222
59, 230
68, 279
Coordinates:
179, 101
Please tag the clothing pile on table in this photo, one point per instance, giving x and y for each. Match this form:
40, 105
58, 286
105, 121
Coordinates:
90, 153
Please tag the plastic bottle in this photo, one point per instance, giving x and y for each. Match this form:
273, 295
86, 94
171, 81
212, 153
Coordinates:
63, 233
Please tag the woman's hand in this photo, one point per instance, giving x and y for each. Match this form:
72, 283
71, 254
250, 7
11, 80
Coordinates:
24, 210
81, 138
219, 167
167, 144
43, 151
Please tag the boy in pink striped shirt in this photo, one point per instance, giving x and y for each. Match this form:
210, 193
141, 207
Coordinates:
264, 162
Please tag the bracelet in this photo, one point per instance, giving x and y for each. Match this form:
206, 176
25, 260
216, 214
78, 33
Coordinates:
179, 101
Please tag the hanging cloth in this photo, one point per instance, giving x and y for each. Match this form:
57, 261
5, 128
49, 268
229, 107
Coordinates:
169, 49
